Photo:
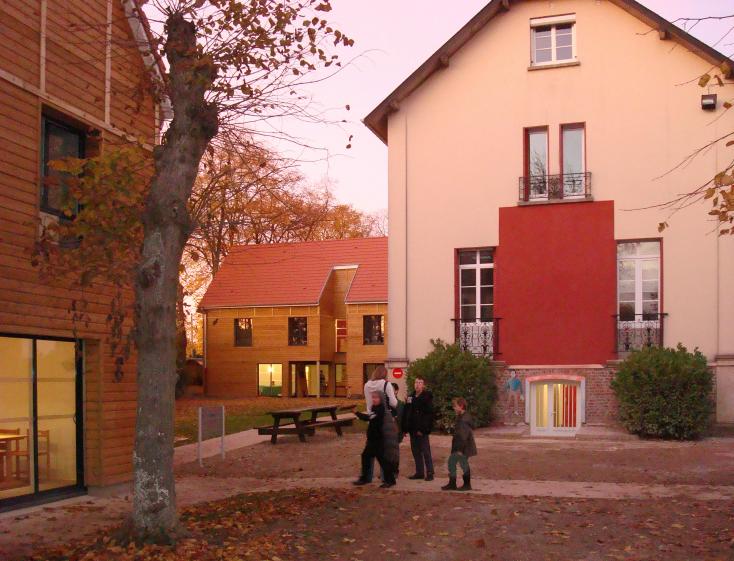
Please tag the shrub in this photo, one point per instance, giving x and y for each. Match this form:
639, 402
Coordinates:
450, 372
665, 393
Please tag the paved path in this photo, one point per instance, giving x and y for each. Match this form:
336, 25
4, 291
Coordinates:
196, 489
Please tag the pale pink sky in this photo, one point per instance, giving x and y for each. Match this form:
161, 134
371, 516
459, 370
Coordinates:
396, 36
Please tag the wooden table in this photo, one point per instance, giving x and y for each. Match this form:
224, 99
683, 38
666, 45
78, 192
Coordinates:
303, 427
5, 440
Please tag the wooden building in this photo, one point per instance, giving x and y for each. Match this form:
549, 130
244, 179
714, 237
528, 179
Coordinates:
299, 319
72, 83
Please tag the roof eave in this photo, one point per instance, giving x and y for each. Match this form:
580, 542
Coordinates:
143, 34
377, 119
202, 309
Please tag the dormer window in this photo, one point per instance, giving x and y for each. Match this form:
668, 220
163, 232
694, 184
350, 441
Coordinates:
553, 40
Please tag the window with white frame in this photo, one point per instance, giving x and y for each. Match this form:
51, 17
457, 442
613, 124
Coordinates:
476, 285
553, 40
638, 280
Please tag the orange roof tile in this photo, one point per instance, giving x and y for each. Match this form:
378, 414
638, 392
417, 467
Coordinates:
295, 273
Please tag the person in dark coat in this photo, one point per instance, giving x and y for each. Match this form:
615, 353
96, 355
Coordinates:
418, 423
463, 446
379, 443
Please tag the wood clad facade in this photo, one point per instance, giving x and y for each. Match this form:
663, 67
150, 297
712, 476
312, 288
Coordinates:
234, 370
77, 62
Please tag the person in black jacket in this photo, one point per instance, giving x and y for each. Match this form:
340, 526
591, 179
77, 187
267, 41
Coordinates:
418, 423
379, 445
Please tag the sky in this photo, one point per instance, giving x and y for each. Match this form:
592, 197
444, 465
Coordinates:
392, 38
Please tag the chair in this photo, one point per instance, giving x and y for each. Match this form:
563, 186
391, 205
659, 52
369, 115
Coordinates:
44, 449
4, 448
11, 449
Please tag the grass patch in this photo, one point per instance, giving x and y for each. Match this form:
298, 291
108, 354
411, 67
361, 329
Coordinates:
242, 414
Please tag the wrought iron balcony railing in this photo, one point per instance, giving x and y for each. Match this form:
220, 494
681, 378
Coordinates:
572, 186
481, 338
639, 331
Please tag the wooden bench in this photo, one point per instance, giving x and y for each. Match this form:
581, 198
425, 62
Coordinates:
306, 427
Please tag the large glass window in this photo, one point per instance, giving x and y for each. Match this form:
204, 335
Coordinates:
270, 379
16, 417
553, 43
243, 332
573, 160
59, 141
305, 379
40, 444
340, 375
476, 285
536, 162
56, 413
374, 329
537, 152
324, 382
298, 331
638, 280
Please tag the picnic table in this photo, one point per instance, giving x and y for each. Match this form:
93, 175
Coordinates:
307, 426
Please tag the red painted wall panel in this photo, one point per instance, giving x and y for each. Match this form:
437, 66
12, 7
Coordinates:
555, 285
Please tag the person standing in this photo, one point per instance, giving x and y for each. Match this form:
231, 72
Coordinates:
418, 423
378, 383
379, 444
463, 446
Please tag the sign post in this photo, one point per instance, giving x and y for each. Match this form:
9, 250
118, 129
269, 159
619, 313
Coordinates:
211, 425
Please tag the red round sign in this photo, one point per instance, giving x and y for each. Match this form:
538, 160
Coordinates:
397, 373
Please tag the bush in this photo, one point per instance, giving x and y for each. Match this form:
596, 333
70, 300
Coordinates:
450, 372
665, 393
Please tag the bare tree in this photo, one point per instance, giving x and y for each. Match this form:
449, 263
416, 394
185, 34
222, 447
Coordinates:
232, 66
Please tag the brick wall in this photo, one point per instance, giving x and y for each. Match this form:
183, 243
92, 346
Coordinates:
601, 405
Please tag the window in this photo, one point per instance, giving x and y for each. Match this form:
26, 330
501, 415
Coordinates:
40, 416
270, 379
368, 369
638, 280
374, 330
573, 165
476, 285
536, 162
298, 331
341, 375
58, 141
341, 335
243, 332
553, 40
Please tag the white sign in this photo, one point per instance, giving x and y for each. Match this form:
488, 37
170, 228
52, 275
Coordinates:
211, 425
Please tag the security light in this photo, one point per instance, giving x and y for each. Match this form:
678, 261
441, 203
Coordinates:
708, 102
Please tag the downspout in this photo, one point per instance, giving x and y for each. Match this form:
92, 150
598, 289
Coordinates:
406, 237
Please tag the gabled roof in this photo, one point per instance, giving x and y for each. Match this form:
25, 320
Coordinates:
290, 274
376, 121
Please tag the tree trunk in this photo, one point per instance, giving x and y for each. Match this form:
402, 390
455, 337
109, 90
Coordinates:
167, 226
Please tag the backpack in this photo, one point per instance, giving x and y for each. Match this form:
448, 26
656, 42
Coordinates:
390, 437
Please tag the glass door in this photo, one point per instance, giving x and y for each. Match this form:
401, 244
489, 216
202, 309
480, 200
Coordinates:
56, 414
554, 408
304, 379
40, 417
16, 417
